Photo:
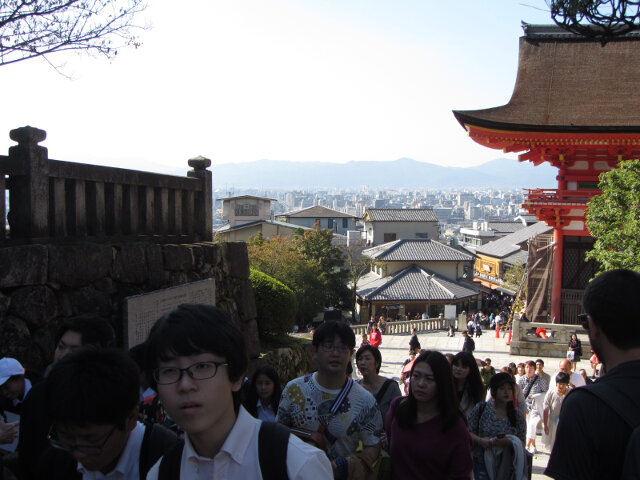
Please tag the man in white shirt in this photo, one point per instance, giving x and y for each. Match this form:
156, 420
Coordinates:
348, 412
92, 401
197, 359
575, 379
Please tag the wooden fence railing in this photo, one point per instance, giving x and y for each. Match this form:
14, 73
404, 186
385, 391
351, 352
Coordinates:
426, 325
51, 200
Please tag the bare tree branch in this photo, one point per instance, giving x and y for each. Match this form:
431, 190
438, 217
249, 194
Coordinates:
602, 20
34, 28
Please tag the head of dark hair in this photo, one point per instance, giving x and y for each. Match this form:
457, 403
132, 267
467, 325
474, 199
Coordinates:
137, 355
407, 409
192, 330
540, 361
610, 301
563, 377
496, 382
530, 363
327, 331
251, 398
377, 356
92, 386
93, 330
473, 383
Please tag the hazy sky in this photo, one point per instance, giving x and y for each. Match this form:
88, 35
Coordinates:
303, 80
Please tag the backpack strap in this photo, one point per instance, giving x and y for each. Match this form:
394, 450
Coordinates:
170, 463
273, 442
618, 400
156, 441
383, 389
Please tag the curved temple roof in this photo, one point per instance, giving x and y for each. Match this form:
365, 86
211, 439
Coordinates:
566, 83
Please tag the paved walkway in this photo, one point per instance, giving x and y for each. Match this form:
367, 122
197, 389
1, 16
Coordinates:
395, 348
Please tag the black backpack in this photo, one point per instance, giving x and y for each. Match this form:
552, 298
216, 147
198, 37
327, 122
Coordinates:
57, 464
627, 409
273, 441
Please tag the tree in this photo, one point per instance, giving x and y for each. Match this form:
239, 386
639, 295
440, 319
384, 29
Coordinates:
275, 304
34, 28
613, 218
599, 19
357, 265
317, 248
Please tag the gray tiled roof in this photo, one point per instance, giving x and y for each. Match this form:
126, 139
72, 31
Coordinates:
510, 244
400, 215
228, 227
506, 227
414, 283
416, 250
316, 212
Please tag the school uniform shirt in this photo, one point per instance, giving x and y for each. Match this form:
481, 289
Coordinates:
238, 457
265, 414
128, 467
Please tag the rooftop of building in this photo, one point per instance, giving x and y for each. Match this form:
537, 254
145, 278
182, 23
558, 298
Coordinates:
512, 244
416, 250
400, 215
568, 83
317, 211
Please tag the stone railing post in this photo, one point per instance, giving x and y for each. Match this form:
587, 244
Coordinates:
204, 201
29, 201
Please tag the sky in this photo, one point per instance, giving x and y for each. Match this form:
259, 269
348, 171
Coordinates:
299, 80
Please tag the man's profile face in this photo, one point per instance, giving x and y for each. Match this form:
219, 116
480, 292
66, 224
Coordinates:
68, 342
13, 389
333, 356
565, 366
97, 447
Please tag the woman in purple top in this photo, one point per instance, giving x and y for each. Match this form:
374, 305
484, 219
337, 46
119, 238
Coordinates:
428, 437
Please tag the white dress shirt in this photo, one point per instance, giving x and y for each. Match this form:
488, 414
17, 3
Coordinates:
128, 467
238, 457
576, 379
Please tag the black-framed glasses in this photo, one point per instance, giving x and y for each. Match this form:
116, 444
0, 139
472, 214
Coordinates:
197, 371
583, 318
56, 442
330, 347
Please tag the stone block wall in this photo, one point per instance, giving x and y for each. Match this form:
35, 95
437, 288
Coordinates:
42, 285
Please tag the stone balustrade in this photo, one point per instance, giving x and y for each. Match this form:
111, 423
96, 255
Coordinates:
422, 326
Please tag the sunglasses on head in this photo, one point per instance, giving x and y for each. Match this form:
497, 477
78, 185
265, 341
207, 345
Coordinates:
583, 318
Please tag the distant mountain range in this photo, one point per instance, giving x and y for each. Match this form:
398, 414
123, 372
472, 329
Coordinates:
404, 172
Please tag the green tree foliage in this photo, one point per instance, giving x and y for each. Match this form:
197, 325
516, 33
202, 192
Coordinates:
308, 264
357, 265
513, 278
275, 302
613, 218
33, 28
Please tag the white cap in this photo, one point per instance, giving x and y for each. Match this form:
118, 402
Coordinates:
8, 368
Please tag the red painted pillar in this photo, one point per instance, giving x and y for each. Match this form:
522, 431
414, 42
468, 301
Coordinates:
556, 281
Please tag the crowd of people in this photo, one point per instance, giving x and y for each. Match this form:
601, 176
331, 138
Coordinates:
180, 406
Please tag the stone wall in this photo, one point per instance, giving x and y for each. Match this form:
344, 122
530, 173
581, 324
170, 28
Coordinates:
42, 285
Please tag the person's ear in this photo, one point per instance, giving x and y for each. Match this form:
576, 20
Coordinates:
237, 385
132, 420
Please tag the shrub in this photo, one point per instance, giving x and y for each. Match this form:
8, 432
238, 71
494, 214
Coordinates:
275, 303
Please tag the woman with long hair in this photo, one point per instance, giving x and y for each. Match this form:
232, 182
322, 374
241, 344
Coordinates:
427, 434
467, 381
263, 395
498, 431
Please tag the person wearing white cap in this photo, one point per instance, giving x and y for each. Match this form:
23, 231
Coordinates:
13, 384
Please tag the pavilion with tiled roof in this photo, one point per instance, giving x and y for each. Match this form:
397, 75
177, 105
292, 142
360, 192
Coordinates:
413, 276
320, 217
382, 225
575, 105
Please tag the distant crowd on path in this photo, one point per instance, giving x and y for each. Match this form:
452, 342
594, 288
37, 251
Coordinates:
180, 406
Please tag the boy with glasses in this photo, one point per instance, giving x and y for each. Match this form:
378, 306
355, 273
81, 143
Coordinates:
328, 402
197, 360
92, 402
